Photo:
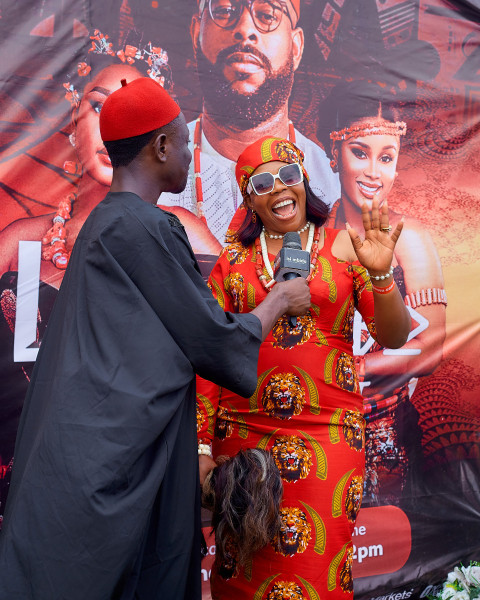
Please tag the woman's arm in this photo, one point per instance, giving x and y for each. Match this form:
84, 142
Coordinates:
375, 253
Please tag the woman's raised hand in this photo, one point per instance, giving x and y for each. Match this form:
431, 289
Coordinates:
375, 252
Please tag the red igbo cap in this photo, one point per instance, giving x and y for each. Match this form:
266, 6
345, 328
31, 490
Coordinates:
294, 3
137, 107
264, 150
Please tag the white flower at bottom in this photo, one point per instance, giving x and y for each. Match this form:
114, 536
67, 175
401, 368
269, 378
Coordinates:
463, 595
448, 592
472, 575
461, 577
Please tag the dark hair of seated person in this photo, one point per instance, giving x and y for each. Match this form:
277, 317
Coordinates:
244, 494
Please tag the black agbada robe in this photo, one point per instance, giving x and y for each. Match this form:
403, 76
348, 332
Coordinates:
104, 500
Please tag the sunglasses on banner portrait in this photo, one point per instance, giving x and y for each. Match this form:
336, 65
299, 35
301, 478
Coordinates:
263, 183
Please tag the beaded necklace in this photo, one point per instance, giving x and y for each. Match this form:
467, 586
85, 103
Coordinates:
280, 236
54, 241
262, 260
197, 172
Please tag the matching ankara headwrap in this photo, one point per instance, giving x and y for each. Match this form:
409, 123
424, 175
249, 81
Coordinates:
136, 108
262, 151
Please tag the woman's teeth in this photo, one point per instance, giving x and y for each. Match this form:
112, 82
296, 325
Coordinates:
368, 188
280, 208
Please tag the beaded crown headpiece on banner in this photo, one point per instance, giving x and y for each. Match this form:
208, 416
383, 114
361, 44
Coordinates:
264, 150
152, 60
369, 128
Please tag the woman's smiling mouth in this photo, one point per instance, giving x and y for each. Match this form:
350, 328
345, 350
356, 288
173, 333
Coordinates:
284, 209
367, 190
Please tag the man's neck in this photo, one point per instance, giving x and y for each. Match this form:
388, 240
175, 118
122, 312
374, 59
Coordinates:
231, 142
135, 181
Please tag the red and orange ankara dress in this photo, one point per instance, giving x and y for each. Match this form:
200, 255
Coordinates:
307, 410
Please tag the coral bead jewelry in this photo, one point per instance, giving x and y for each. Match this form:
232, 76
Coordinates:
262, 261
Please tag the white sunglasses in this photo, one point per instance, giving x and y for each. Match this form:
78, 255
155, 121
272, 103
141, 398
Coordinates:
263, 183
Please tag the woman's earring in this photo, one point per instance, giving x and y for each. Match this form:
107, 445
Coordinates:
254, 216
333, 165
72, 168
72, 138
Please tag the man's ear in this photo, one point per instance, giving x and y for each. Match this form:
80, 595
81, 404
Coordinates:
160, 145
195, 33
298, 43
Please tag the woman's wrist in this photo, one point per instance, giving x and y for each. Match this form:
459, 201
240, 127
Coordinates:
381, 277
205, 447
384, 289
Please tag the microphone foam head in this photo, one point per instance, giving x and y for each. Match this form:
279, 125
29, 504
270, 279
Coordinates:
292, 240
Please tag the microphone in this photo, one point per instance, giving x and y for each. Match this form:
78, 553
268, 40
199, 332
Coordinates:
291, 262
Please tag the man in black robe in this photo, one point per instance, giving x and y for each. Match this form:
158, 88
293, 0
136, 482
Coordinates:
104, 501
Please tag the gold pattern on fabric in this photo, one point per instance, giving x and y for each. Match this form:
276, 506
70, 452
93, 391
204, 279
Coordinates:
338, 494
210, 410
328, 368
322, 465
253, 400
333, 431
312, 391
251, 302
242, 425
295, 532
310, 589
327, 278
341, 315
247, 570
218, 293
320, 530
263, 442
322, 338
333, 568
266, 150
261, 590
315, 308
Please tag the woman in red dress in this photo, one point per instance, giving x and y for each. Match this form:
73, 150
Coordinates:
307, 409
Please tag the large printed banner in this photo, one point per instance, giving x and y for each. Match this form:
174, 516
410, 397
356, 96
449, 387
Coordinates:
61, 58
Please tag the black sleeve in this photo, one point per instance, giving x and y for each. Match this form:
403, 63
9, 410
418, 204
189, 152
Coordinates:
153, 251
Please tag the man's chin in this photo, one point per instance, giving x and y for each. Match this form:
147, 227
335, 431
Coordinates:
245, 88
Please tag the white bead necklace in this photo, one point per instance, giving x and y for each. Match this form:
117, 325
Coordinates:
282, 235
266, 261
